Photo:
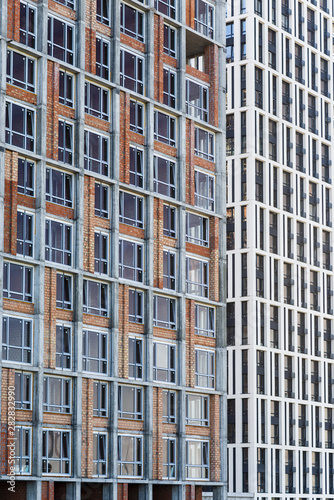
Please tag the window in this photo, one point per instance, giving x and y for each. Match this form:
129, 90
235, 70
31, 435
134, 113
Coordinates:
65, 142
17, 282
229, 42
197, 100
204, 320
102, 58
130, 260
169, 224
16, 339
197, 460
136, 167
131, 71
20, 71
197, 277
197, 410
96, 101
169, 40
204, 144
164, 128
56, 452
169, 269
197, 229
63, 347
103, 11
96, 153
166, 7
58, 242
131, 209
135, 358
57, 395
66, 81
197, 61
64, 291
20, 126
59, 187
68, 3
169, 458
169, 92
132, 22
26, 177
130, 456
99, 454
23, 391
101, 250
136, 117
164, 312
164, 362
95, 298
164, 177
100, 399
25, 232
272, 49
28, 25
204, 190
130, 402
204, 16
169, 407
101, 200
94, 351
136, 306
60, 40
22, 450
204, 369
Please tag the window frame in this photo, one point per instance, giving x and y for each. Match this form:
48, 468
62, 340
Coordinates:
170, 463
26, 339
170, 323
203, 26
28, 37
169, 43
98, 460
63, 303
201, 331
204, 239
136, 316
51, 252
170, 415
198, 288
136, 166
66, 197
204, 467
206, 199
27, 283
201, 109
19, 455
65, 141
204, 403
136, 368
101, 254
65, 405
102, 111
210, 377
169, 274
25, 241
64, 461
103, 12
25, 84
137, 393
204, 152
137, 117
170, 138
24, 380
138, 221
137, 452
64, 356
103, 346
52, 47
102, 212
101, 309
169, 225
167, 7
100, 394
137, 267
138, 34
23, 188
167, 188
137, 82
170, 369
11, 134
102, 61
99, 164
68, 98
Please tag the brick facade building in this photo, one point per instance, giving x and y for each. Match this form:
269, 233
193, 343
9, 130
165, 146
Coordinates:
111, 216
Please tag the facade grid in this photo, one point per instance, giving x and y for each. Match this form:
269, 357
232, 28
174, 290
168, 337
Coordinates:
279, 249
112, 201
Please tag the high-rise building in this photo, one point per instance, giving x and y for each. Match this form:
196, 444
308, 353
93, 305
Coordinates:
280, 256
112, 199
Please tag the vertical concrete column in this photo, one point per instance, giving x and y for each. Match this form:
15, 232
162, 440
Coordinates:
220, 492
111, 492
3, 60
182, 144
148, 438
74, 490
